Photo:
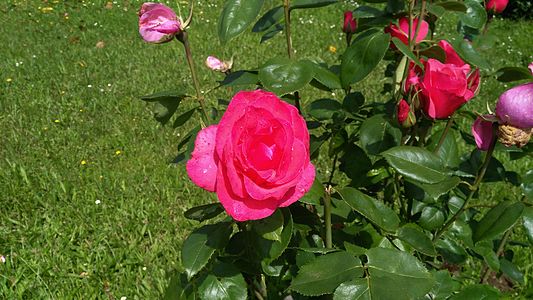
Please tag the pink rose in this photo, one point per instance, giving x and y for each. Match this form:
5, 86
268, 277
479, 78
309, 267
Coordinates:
350, 23
216, 64
515, 106
256, 159
496, 6
444, 86
157, 23
401, 30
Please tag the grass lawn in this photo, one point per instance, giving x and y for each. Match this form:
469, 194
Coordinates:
90, 206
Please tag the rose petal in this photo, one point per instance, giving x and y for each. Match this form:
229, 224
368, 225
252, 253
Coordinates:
451, 56
303, 186
202, 168
483, 133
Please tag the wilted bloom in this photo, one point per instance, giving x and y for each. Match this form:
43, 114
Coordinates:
216, 64
256, 158
350, 23
401, 31
157, 23
496, 6
514, 114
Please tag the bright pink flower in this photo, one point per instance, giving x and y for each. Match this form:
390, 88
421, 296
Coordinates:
496, 6
216, 64
403, 111
483, 132
157, 23
350, 23
530, 67
515, 106
401, 30
256, 159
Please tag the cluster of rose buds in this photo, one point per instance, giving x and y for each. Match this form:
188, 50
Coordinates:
513, 122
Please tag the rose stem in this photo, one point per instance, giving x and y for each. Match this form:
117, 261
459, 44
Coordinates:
420, 20
184, 39
286, 8
473, 189
444, 133
327, 205
409, 35
503, 241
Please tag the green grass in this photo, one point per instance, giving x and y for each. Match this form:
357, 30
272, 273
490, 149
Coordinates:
113, 227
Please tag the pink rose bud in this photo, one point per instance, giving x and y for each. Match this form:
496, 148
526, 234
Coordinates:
216, 64
401, 30
350, 23
530, 67
515, 106
256, 159
405, 116
483, 132
496, 6
157, 23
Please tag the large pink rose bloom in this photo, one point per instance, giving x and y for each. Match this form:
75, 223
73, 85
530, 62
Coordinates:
256, 159
515, 106
157, 23
401, 31
496, 6
444, 86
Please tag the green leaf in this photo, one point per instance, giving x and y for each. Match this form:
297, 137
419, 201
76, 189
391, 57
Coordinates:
434, 191
282, 75
452, 6
444, 285
451, 251
269, 19
201, 244
431, 218
269, 228
271, 32
528, 223
269, 250
323, 109
356, 289
236, 16
225, 283
406, 51
180, 288
324, 274
363, 12
448, 151
508, 74
242, 77
475, 15
165, 104
314, 195
395, 275
477, 292
184, 117
362, 57
377, 135
298, 4
417, 164
325, 76
498, 220
173, 95
467, 52
204, 212
484, 248
377, 212
415, 236
509, 269
355, 163
527, 184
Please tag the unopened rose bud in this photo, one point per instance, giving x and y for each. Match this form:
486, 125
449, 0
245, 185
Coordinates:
218, 65
483, 132
405, 116
158, 23
496, 6
513, 136
350, 23
515, 106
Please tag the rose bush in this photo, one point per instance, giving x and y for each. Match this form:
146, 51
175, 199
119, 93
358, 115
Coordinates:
256, 159
157, 23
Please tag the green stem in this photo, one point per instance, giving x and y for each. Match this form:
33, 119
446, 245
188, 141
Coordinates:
444, 133
499, 252
420, 19
473, 190
409, 35
286, 8
183, 37
327, 217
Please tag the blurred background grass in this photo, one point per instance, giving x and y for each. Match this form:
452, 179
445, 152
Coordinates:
90, 206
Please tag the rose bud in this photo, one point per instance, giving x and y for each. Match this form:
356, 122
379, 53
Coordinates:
530, 67
350, 23
401, 30
496, 6
483, 132
515, 106
405, 116
256, 158
447, 86
157, 23
216, 64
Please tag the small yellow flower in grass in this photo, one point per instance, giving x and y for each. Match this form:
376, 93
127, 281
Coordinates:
332, 49
118, 152
45, 10
45, 128
57, 121
101, 177
8, 80
83, 162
